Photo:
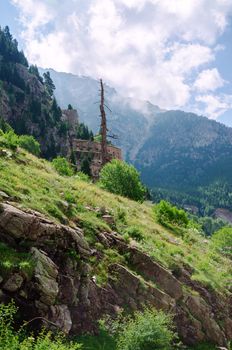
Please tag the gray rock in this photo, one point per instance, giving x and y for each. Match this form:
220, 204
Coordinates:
45, 274
13, 283
61, 317
3, 195
108, 219
29, 225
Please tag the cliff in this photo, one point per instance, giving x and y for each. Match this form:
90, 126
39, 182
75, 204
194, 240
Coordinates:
27, 102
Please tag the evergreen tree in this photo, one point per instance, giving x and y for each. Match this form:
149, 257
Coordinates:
56, 111
49, 85
33, 69
85, 166
83, 132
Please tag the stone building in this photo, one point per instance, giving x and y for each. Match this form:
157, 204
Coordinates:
86, 149
71, 117
92, 151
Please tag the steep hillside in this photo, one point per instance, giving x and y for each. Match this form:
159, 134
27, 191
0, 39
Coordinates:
26, 100
69, 256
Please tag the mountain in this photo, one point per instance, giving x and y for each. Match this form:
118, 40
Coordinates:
182, 157
189, 155
27, 102
185, 150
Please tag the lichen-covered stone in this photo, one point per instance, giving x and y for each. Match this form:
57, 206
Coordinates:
45, 274
60, 315
13, 283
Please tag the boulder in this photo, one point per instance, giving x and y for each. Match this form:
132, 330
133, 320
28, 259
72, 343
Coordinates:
45, 274
13, 283
61, 316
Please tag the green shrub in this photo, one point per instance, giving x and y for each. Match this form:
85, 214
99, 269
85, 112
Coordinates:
210, 225
135, 233
29, 144
148, 330
166, 213
62, 166
11, 140
4, 126
121, 178
121, 216
17, 340
222, 241
82, 176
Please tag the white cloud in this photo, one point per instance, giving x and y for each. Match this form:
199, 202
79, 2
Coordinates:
209, 80
151, 49
214, 106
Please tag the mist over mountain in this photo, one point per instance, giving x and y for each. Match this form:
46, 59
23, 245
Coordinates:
129, 119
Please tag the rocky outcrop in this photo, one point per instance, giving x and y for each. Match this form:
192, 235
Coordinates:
135, 292
61, 291
14, 283
29, 109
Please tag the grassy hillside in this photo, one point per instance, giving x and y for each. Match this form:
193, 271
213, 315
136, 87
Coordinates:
33, 183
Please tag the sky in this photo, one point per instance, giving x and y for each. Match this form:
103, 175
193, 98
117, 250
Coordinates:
176, 54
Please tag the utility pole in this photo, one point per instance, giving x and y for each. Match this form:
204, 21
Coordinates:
103, 126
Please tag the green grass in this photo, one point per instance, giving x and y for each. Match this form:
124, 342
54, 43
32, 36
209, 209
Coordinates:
33, 183
103, 341
12, 260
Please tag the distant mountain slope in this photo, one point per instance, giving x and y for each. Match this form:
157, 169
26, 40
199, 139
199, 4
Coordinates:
185, 151
130, 119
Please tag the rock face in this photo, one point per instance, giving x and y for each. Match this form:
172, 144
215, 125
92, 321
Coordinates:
13, 283
62, 292
29, 110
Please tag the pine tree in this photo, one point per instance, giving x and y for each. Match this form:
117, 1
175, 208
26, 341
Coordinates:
49, 85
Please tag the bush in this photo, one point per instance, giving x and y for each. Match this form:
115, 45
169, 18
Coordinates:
121, 178
166, 213
29, 144
62, 166
145, 331
210, 225
222, 241
8, 138
83, 177
135, 233
16, 340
